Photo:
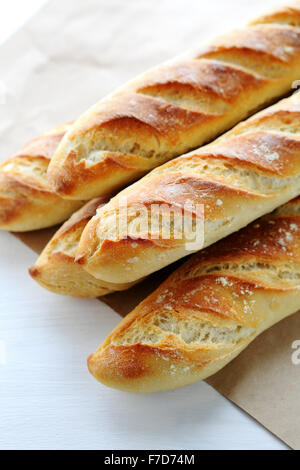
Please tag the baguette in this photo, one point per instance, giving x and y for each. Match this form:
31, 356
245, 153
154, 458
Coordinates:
27, 201
243, 175
55, 269
178, 106
207, 311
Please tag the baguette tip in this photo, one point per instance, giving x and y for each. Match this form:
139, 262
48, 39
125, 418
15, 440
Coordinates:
34, 272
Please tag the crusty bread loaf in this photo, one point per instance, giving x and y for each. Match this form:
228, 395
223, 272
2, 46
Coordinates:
209, 310
178, 106
27, 201
55, 269
243, 175
282, 14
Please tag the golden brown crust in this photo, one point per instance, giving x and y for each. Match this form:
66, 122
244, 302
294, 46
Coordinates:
27, 202
82, 216
282, 150
282, 15
55, 269
208, 310
177, 106
269, 45
244, 174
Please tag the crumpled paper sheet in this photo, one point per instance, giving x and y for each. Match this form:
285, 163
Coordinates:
73, 52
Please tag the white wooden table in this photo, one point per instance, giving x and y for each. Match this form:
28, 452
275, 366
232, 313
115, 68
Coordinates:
47, 397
